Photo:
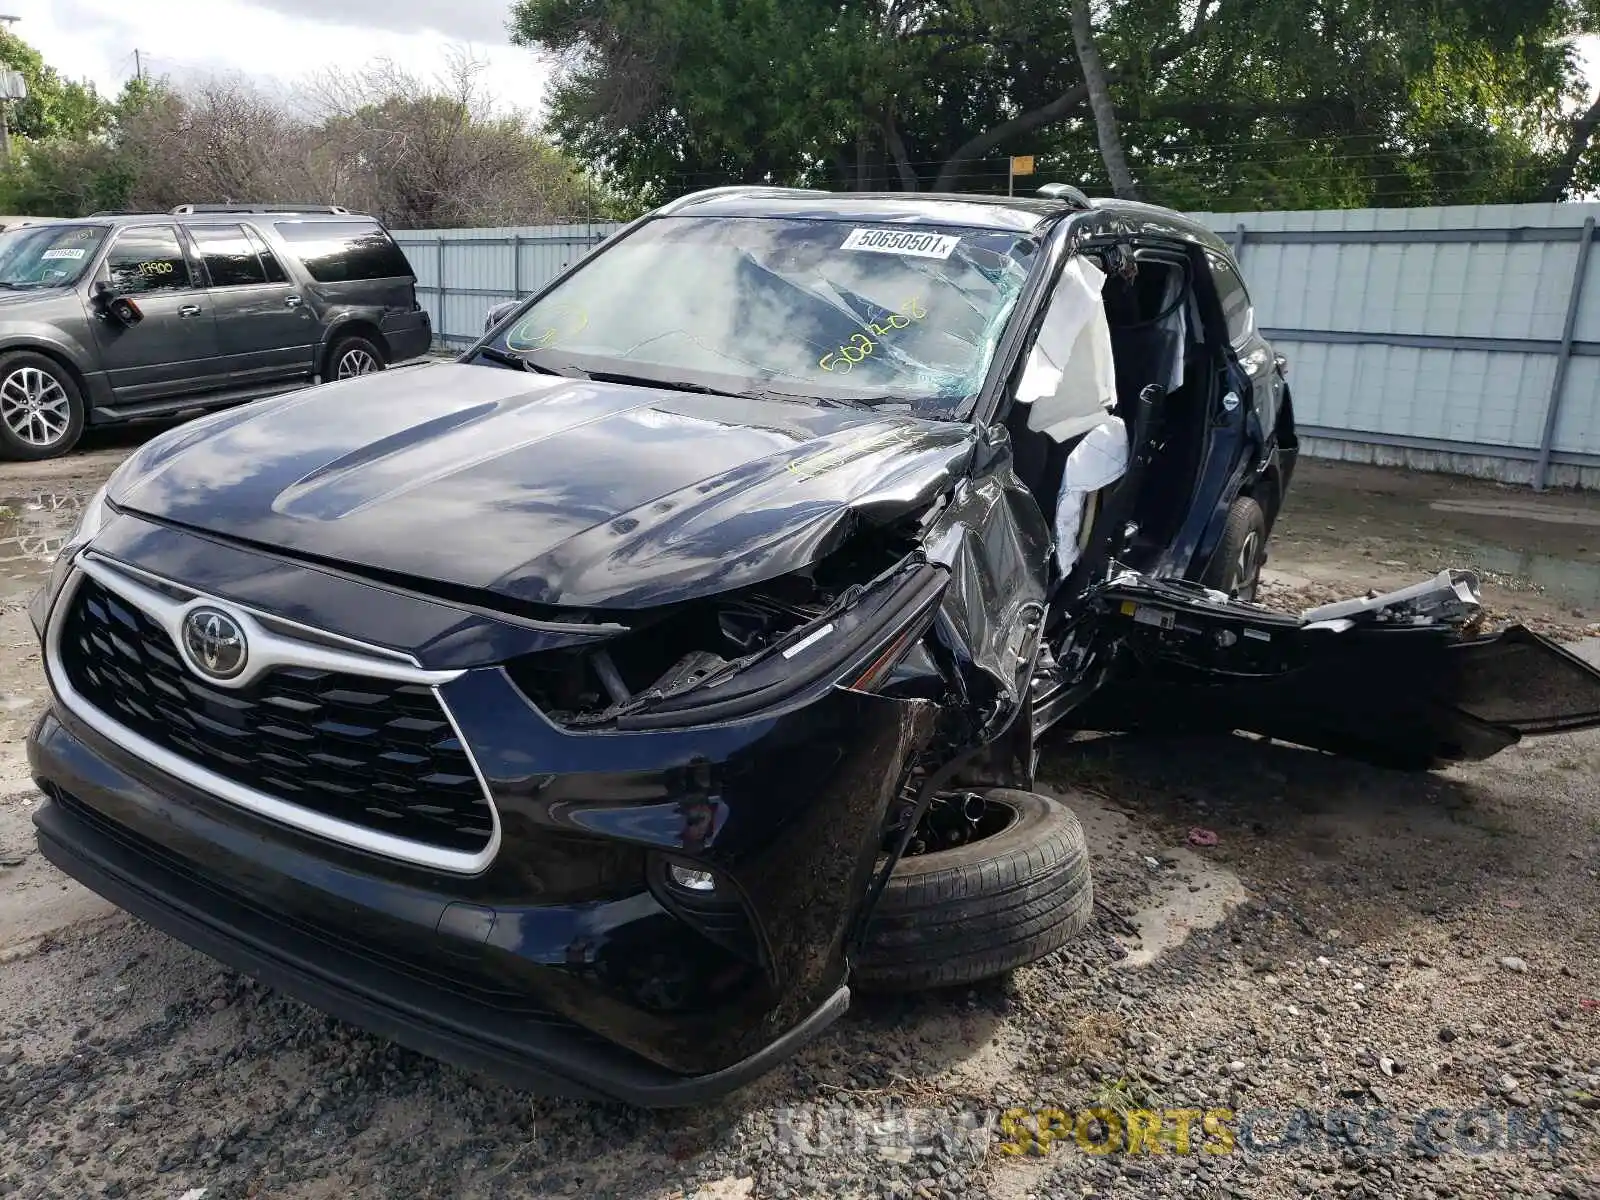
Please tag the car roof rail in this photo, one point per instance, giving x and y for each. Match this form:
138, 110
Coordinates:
121, 212
736, 189
331, 210
1076, 197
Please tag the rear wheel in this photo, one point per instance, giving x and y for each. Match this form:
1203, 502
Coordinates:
1016, 891
41, 408
1236, 566
354, 355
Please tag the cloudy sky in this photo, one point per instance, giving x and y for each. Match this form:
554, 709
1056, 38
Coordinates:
285, 40
274, 39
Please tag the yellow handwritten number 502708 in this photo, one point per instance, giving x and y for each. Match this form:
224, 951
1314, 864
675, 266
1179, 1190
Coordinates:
845, 358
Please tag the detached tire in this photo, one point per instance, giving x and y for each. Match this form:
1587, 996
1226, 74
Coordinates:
953, 917
354, 355
1236, 566
41, 408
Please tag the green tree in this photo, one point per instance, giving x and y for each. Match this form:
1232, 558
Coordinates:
55, 107
1211, 102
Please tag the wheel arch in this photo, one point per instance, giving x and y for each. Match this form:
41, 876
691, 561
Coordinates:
62, 359
351, 327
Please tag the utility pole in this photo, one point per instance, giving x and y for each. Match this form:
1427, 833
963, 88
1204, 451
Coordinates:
138, 67
10, 89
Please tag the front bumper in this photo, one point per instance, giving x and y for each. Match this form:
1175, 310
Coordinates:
568, 961
525, 1049
404, 954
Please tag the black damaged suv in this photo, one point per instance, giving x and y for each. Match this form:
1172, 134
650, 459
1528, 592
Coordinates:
600, 709
123, 316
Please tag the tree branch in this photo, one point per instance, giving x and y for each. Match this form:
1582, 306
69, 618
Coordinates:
1578, 140
897, 151
1047, 114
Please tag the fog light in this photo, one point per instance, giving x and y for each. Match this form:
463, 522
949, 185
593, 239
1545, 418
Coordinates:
691, 880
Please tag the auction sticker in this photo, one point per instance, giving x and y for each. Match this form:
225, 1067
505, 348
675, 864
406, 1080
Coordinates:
63, 252
902, 241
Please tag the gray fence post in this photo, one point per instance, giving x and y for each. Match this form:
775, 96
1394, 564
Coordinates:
1238, 243
516, 266
1552, 411
444, 334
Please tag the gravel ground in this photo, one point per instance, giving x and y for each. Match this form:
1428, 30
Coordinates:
1358, 947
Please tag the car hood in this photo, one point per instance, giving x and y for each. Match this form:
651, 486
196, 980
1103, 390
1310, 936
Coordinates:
22, 297
544, 490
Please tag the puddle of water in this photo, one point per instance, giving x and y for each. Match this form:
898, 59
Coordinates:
34, 526
1521, 510
1572, 580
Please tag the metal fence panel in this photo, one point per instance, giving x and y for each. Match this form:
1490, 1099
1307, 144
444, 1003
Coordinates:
462, 273
1470, 330
1450, 334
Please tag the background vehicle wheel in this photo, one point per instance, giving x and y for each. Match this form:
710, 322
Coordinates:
1236, 566
1017, 892
41, 408
354, 355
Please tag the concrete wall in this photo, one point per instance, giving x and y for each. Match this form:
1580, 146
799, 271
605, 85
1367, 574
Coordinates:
1454, 339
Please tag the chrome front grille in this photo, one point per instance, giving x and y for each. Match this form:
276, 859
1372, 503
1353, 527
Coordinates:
305, 736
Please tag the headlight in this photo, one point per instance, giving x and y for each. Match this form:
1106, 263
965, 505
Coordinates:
90, 520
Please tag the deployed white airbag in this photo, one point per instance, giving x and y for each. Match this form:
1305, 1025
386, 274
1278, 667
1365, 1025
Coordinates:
1069, 383
1096, 462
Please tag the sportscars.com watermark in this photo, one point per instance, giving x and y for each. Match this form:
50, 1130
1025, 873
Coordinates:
894, 1131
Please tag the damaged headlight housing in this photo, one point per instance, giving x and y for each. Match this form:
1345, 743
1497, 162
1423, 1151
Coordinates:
857, 647
733, 656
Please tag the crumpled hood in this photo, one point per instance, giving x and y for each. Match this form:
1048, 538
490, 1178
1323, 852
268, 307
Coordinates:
546, 490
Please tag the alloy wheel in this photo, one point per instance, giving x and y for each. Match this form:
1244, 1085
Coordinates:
35, 407
355, 361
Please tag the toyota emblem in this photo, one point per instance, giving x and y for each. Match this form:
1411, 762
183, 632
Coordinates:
214, 642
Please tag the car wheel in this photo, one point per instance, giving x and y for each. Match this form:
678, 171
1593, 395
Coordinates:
1236, 566
352, 356
41, 408
1018, 891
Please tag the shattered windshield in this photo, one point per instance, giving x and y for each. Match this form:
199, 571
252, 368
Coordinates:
902, 316
47, 255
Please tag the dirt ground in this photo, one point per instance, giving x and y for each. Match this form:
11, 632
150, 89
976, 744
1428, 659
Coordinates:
1391, 983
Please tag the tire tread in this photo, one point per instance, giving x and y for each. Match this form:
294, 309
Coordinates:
983, 909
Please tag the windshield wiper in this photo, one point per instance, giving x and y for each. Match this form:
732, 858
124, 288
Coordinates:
495, 354
667, 385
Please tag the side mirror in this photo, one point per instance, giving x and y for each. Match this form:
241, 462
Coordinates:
120, 309
498, 313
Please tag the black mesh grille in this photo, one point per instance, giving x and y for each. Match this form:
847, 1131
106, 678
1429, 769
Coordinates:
371, 752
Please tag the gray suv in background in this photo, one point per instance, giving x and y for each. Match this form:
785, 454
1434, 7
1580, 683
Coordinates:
121, 316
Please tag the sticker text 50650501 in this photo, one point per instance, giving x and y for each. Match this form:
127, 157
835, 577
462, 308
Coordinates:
845, 358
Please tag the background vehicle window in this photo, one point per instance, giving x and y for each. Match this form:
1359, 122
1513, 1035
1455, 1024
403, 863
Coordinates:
230, 258
148, 259
269, 260
47, 255
337, 251
1236, 310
